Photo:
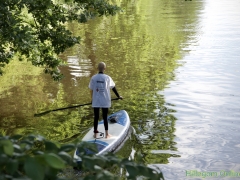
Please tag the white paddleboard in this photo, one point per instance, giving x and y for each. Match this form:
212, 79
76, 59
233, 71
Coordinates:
118, 130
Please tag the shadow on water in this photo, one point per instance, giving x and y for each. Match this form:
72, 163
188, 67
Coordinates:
140, 46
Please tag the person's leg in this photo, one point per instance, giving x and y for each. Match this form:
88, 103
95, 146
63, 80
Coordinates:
105, 114
96, 118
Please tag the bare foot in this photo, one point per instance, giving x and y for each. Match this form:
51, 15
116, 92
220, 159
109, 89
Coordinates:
108, 136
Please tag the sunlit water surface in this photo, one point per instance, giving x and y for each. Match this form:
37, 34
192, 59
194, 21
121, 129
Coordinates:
176, 63
206, 96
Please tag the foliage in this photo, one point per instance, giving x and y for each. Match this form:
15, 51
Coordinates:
34, 157
36, 29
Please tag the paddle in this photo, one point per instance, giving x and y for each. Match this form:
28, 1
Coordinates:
69, 107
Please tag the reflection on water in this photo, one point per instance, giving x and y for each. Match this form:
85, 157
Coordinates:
176, 65
140, 47
78, 67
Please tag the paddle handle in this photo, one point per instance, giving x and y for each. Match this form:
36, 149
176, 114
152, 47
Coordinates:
69, 107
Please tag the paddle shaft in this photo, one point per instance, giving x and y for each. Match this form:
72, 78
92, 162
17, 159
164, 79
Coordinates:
69, 107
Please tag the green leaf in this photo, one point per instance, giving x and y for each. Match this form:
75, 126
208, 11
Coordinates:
34, 169
68, 147
31, 137
39, 137
133, 171
100, 160
17, 148
112, 158
88, 163
7, 146
28, 142
65, 156
51, 146
54, 161
12, 166
144, 170
16, 137
3, 159
83, 147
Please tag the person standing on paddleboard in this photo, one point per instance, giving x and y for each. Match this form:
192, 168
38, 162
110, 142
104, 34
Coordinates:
100, 85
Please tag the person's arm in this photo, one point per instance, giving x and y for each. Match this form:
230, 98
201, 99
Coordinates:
116, 93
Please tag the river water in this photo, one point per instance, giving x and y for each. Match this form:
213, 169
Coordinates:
206, 97
176, 63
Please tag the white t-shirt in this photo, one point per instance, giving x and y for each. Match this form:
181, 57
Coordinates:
101, 85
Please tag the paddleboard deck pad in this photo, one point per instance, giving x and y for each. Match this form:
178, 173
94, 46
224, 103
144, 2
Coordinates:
118, 128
